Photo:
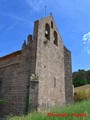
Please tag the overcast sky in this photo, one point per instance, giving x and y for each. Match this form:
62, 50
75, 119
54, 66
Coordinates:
72, 19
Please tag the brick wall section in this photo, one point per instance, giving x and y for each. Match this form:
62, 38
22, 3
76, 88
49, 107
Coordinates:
13, 87
15, 71
15, 74
68, 76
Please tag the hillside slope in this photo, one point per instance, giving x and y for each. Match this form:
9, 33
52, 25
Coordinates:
84, 87
82, 92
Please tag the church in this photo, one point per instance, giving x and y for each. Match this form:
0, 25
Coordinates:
39, 75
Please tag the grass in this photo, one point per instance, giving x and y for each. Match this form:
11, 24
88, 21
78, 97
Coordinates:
82, 92
76, 108
84, 87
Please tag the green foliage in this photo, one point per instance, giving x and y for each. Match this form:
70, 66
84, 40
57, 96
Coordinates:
88, 76
2, 101
77, 108
81, 77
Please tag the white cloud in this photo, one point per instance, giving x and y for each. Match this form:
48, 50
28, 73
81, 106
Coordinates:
17, 20
86, 42
11, 26
35, 4
86, 36
12, 16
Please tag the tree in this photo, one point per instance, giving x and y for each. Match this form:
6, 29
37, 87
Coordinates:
81, 77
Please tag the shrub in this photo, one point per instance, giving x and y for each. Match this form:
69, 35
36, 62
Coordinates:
81, 95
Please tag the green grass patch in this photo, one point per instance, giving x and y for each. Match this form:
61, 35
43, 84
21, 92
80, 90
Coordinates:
2, 101
76, 108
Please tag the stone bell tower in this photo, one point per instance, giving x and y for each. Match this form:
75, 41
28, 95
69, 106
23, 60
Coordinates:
53, 65
39, 75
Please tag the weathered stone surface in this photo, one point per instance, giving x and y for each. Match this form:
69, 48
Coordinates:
50, 66
68, 76
45, 57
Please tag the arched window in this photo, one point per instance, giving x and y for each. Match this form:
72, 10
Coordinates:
51, 24
55, 38
47, 31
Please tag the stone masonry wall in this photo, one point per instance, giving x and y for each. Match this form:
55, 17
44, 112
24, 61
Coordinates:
50, 66
15, 71
33, 88
33, 98
14, 74
68, 76
13, 77
49, 62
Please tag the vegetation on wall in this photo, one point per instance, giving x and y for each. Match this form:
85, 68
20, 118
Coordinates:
2, 101
81, 77
26, 101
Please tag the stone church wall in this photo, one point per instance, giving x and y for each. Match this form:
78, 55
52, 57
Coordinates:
44, 57
68, 76
50, 66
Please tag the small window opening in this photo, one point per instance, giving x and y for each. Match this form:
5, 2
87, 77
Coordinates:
54, 82
51, 24
47, 31
55, 38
